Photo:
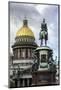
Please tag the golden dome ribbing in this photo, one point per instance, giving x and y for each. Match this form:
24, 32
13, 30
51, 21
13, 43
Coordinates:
24, 30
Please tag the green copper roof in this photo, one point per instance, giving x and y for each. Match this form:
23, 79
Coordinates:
43, 48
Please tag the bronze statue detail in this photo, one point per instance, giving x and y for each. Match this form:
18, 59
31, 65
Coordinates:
43, 33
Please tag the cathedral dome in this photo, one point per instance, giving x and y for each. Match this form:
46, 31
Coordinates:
24, 30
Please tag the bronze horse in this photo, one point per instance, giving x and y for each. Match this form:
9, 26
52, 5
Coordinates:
43, 33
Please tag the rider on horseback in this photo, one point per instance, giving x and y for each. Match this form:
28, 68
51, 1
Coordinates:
43, 32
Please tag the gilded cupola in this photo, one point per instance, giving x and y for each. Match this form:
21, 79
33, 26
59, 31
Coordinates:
25, 30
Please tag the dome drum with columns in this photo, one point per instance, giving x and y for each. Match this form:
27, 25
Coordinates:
27, 40
24, 41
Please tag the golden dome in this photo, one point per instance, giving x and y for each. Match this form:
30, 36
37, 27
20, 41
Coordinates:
24, 30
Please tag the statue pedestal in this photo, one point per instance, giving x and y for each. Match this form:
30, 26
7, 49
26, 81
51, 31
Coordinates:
43, 78
43, 75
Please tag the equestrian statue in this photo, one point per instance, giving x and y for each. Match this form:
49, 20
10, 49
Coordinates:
43, 35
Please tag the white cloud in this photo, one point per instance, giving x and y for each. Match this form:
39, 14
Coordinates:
53, 39
41, 8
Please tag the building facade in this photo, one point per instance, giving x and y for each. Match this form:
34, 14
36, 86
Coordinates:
23, 49
31, 65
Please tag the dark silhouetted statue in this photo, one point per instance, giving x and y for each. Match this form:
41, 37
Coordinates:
43, 33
